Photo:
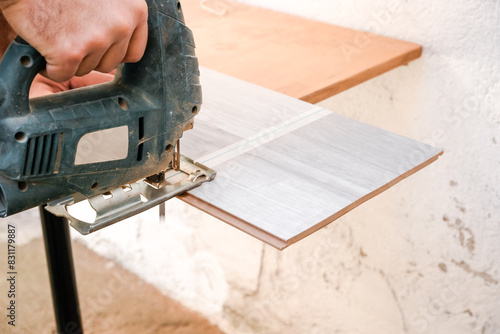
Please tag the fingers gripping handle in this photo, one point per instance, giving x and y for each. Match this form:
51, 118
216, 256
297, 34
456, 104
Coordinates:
21, 63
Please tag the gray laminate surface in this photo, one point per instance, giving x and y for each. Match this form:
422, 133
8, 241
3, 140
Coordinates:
286, 167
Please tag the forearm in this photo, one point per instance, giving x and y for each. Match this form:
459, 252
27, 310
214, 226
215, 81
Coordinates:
7, 35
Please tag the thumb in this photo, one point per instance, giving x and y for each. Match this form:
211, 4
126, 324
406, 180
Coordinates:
42, 86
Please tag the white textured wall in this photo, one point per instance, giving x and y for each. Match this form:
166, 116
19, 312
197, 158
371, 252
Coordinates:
423, 257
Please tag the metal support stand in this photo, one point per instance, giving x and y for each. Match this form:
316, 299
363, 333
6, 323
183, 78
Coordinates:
61, 273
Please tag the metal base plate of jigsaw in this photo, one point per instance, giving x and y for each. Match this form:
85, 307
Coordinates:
130, 199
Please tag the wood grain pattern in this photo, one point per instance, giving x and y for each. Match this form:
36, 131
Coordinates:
301, 58
281, 180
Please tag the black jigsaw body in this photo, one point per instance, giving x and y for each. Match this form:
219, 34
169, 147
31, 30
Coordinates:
154, 100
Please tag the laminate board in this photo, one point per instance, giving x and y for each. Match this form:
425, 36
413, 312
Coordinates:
285, 167
302, 58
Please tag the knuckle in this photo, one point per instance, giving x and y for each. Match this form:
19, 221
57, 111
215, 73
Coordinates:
81, 72
58, 73
98, 43
72, 55
132, 57
123, 29
141, 10
106, 68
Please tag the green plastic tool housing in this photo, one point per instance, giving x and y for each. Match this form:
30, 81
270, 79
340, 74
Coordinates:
155, 99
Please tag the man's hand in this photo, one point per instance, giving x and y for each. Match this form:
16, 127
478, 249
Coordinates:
78, 36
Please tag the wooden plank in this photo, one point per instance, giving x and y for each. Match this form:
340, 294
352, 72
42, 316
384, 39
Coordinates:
301, 58
285, 167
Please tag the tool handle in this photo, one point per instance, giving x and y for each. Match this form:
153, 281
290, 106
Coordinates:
31, 59
21, 63
155, 99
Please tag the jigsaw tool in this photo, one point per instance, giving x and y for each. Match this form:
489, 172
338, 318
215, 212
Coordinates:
51, 148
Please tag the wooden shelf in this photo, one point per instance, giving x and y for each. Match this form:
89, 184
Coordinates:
301, 58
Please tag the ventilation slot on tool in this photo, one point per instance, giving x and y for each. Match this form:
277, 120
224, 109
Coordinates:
42, 155
140, 148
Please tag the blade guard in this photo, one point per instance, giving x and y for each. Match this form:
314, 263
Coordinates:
132, 199
155, 99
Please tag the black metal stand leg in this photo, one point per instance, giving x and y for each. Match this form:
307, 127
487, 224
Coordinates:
61, 273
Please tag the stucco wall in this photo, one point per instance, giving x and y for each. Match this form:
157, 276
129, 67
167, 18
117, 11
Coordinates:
422, 257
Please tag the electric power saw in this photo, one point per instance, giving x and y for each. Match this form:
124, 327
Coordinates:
113, 145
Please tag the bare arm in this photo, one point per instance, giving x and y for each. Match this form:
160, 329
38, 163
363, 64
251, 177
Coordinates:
79, 36
7, 35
